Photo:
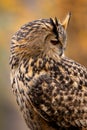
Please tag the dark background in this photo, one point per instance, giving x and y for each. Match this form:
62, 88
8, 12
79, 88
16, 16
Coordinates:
13, 14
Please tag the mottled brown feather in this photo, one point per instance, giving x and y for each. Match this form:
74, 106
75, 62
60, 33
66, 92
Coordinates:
50, 89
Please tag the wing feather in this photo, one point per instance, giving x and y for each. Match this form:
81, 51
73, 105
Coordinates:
62, 100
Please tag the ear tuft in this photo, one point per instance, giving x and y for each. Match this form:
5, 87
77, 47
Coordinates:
66, 21
54, 26
56, 21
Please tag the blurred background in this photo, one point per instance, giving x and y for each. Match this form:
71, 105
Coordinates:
13, 14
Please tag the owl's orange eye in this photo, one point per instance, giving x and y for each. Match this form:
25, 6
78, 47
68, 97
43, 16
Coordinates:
55, 42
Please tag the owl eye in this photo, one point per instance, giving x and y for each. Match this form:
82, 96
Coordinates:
55, 42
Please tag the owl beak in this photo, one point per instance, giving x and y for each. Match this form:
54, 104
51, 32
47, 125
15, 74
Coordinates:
66, 21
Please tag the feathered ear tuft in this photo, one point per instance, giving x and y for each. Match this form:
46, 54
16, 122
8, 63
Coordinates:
66, 21
56, 21
54, 24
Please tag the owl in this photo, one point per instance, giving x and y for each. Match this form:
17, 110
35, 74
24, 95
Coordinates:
50, 88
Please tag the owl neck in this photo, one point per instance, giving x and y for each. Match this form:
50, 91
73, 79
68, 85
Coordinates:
54, 53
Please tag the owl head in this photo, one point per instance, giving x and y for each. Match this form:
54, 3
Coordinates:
43, 37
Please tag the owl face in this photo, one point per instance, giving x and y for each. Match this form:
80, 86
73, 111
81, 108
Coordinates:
56, 38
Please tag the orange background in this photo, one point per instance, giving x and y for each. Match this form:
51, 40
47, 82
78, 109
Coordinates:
13, 14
